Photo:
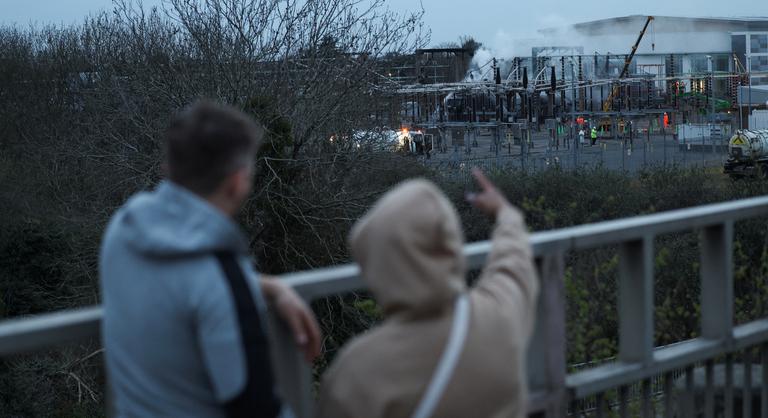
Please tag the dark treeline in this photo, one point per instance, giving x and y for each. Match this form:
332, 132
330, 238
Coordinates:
83, 108
82, 113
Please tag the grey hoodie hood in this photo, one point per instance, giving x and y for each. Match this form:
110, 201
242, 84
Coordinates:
172, 221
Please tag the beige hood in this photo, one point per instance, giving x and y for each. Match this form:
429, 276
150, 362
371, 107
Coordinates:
409, 247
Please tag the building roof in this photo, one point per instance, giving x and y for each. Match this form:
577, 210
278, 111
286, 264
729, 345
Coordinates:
667, 24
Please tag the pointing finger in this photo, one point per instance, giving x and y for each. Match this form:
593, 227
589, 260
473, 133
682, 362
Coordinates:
483, 181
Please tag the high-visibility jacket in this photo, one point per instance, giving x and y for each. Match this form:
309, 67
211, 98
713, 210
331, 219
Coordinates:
593, 134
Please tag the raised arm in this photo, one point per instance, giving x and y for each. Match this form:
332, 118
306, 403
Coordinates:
509, 277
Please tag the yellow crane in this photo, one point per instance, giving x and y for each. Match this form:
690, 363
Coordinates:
615, 90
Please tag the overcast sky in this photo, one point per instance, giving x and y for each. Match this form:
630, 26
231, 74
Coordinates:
492, 22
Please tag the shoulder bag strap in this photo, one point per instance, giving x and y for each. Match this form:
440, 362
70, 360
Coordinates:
257, 398
448, 360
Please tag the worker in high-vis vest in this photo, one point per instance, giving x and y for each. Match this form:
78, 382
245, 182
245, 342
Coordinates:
593, 135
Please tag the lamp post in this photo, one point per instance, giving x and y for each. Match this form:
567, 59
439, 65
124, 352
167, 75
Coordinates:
711, 87
574, 141
710, 68
738, 94
749, 79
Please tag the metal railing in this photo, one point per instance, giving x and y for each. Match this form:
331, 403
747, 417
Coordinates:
638, 360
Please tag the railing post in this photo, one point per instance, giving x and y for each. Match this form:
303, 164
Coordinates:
546, 352
636, 301
717, 281
292, 372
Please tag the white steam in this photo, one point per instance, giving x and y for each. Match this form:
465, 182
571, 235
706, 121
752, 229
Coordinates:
664, 35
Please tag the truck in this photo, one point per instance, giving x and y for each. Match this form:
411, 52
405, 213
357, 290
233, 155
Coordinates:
747, 154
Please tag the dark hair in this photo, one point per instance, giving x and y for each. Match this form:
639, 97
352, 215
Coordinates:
207, 142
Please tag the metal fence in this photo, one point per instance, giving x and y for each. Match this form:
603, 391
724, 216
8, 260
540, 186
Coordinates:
607, 385
619, 155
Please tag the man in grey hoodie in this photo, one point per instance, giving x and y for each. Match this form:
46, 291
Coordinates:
184, 325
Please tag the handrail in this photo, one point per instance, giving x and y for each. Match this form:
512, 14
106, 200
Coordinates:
638, 359
39, 331
321, 282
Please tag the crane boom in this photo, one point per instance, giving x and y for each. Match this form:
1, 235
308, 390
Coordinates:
609, 101
634, 48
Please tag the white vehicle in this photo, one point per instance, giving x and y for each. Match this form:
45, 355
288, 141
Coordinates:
412, 142
415, 142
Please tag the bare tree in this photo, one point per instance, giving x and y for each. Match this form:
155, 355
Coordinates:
83, 108
316, 61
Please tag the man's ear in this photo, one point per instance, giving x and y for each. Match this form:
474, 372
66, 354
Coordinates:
229, 187
239, 183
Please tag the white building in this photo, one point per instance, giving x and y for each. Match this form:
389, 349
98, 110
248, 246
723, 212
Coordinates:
671, 45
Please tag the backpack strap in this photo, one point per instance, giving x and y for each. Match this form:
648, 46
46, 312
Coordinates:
258, 398
448, 360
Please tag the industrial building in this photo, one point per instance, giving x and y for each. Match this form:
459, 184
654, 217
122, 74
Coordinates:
672, 46
618, 72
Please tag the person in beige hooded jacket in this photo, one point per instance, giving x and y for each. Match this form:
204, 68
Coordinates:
409, 248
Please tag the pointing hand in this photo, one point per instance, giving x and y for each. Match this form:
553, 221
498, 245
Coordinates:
489, 200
